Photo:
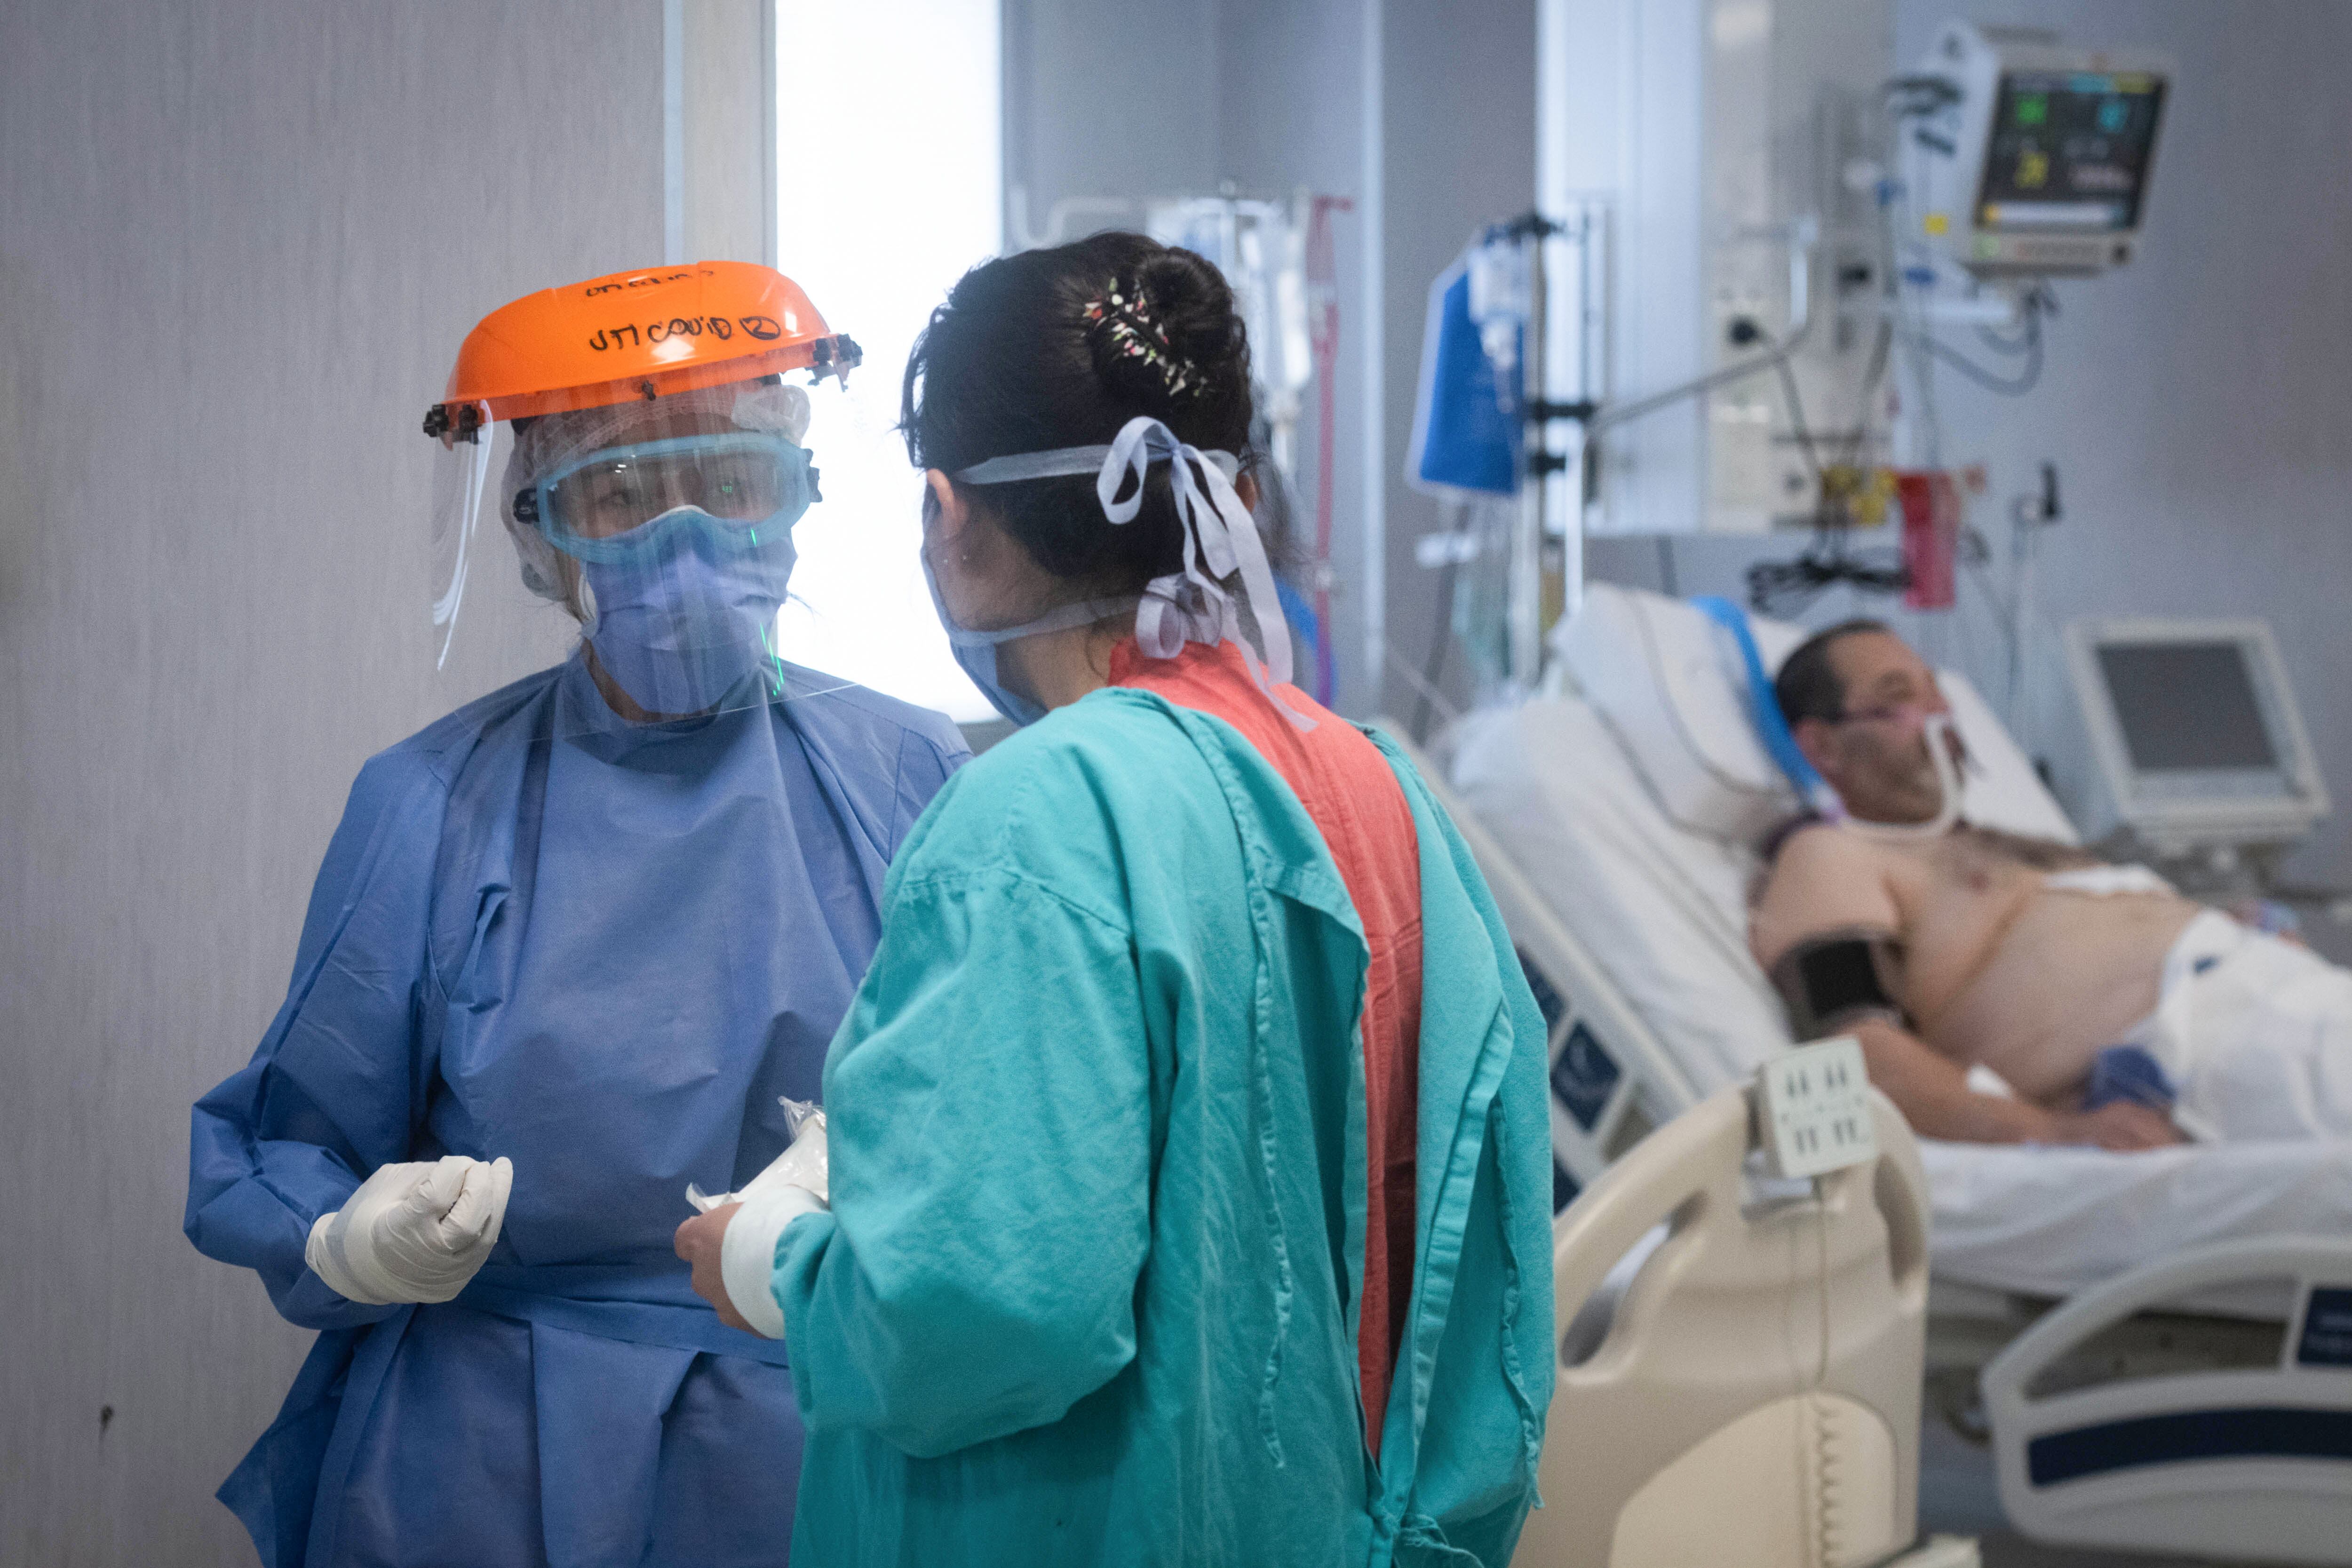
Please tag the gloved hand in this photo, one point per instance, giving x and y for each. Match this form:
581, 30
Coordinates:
413, 1232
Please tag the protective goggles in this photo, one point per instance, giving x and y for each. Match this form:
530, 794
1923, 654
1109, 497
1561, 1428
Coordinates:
622, 504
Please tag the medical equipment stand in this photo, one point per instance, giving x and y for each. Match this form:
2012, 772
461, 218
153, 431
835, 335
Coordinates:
1530, 573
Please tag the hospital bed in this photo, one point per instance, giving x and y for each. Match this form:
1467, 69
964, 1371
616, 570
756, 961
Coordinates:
2198, 1403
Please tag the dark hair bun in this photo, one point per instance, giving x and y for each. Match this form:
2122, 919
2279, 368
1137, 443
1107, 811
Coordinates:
1046, 349
1167, 334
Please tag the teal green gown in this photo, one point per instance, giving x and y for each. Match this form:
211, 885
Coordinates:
1088, 1290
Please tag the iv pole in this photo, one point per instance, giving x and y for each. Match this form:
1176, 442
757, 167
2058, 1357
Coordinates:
1540, 412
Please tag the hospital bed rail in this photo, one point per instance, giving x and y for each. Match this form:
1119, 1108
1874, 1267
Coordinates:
1612, 1080
2186, 1457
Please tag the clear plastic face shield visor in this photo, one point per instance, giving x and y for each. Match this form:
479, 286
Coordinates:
663, 526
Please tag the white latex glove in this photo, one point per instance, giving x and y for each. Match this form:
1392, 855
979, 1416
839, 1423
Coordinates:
413, 1232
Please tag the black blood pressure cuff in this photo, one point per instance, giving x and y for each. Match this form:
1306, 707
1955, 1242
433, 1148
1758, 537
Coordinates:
1840, 978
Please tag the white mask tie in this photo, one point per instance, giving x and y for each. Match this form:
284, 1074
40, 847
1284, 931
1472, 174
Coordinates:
1219, 540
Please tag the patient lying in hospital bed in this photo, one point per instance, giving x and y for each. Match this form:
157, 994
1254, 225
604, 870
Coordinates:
1631, 798
2162, 1404
2121, 1014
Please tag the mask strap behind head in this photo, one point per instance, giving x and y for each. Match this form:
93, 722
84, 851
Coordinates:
1083, 613
1219, 540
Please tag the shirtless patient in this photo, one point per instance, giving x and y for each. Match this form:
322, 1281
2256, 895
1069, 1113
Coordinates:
1964, 947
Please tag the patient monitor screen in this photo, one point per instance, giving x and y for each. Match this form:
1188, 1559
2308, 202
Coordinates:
2070, 150
2186, 706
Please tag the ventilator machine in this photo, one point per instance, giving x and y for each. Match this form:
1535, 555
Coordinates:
2192, 752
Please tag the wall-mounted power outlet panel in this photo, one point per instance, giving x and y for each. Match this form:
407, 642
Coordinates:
1812, 1109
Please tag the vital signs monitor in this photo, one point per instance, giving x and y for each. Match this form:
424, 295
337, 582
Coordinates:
2034, 159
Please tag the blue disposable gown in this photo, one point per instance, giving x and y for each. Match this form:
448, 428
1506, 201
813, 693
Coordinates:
603, 957
1088, 1294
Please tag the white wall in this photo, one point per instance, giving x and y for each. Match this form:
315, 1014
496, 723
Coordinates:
2198, 402
1458, 117
239, 241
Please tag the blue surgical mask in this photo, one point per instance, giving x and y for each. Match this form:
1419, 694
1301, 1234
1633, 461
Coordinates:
681, 624
686, 544
975, 652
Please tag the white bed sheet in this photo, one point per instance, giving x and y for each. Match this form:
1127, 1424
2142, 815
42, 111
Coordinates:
1663, 912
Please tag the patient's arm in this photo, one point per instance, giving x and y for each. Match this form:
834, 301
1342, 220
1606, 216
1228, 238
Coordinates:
1822, 880
1827, 928
1845, 982
1932, 1093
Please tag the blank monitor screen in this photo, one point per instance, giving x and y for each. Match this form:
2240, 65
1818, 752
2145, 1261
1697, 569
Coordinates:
2186, 706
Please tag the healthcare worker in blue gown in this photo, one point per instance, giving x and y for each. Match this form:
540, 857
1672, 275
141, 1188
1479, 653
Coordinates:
569, 948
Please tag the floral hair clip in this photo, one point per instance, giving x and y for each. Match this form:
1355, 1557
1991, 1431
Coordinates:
1134, 335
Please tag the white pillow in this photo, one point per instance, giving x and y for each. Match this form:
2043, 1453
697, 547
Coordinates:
1672, 685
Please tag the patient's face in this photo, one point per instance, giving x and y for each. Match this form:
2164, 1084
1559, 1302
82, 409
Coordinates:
1875, 754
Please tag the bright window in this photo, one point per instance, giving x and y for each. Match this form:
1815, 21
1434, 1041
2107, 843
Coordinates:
889, 171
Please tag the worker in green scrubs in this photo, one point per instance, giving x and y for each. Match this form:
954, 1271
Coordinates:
1088, 1282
